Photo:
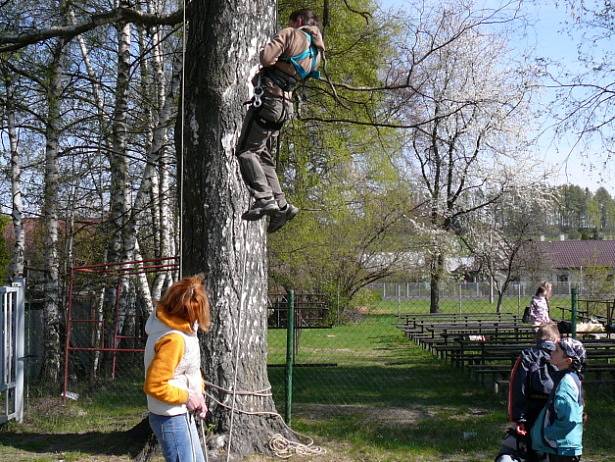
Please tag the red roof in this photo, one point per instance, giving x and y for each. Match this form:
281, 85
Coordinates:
576, 254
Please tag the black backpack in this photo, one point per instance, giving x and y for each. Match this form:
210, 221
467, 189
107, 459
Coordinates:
526, 314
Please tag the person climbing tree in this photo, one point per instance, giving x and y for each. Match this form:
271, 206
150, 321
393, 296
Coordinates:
290, 57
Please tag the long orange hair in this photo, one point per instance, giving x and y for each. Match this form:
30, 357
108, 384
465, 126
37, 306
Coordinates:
187, 299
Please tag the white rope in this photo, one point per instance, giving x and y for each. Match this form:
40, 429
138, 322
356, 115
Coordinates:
181, 156
281, 446
284, 448
237, 344
263, 392
204, 440
242, 411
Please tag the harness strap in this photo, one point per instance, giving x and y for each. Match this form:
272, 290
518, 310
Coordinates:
311, 52
281, 79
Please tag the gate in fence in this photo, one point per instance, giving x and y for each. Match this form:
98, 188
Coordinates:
12, 335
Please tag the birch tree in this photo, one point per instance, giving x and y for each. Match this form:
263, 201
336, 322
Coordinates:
51, 309
17, 257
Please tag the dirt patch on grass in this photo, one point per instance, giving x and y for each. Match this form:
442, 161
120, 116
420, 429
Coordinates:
54, 407
385, 415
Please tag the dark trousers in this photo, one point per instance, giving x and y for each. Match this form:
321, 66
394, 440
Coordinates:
254, 149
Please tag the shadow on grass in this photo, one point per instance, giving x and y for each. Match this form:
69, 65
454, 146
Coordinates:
116, 443
107, 420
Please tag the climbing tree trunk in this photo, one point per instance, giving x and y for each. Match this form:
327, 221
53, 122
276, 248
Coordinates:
222, 51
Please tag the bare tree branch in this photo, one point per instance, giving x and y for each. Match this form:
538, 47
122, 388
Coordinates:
366, 15
12, 42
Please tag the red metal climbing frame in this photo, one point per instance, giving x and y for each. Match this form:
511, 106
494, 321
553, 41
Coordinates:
109, 275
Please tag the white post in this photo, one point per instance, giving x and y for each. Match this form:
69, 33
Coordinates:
19, 348
491, 298
519, 298
398, 299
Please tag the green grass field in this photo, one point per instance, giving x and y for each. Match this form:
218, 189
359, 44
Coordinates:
392, 401
361, 390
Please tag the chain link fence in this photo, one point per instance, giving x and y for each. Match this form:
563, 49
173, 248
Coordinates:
359, 372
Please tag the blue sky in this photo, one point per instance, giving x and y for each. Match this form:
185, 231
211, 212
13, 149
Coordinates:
549, 37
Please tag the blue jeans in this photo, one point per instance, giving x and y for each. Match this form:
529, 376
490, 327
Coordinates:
178, 437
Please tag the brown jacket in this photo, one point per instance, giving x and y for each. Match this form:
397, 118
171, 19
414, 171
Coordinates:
286, 43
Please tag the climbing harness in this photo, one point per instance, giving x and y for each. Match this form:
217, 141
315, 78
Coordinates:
287, 82
310, 53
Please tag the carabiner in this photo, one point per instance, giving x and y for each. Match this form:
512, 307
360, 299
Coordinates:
258, 92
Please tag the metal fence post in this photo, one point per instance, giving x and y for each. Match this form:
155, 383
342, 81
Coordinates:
290, 354
573, 319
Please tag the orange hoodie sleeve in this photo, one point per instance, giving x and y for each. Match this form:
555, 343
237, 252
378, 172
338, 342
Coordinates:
168, 353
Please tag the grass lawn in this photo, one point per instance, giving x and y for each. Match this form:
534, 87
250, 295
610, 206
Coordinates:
367, 395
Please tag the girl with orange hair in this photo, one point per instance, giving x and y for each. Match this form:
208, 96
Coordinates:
173, 382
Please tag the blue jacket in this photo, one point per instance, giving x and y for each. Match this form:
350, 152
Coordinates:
559, 427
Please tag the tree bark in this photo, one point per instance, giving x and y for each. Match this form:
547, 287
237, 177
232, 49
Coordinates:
163, 156
17, 261
222, 52
437, 269
51, 317
118, 161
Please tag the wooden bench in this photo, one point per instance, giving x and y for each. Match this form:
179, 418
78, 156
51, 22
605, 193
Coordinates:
595, 371
411, 319
474, 326
471, 353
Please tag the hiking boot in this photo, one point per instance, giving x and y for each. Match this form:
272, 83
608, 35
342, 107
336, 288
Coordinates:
281, 217
263, 206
